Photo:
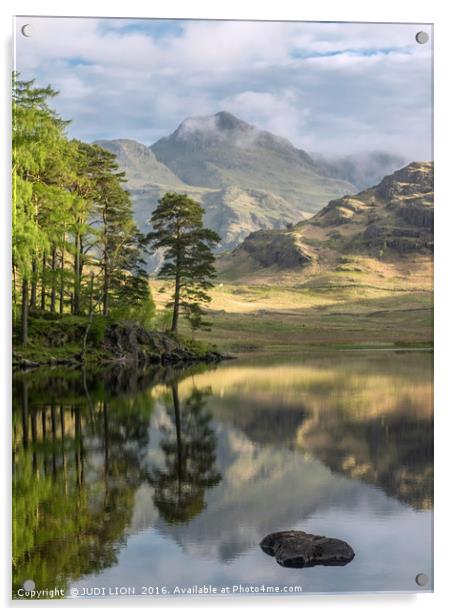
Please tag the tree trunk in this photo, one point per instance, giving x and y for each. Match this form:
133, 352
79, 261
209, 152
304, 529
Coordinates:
43, 283
53, 289
24, 320
14, 294
76, 302
176, 304
106, 290
81, 262
62, 280
91, 293
34, 276
90, 322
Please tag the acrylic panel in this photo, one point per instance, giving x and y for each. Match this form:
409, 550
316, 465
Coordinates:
222, 308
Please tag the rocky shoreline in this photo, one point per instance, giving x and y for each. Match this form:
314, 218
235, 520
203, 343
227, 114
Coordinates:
124, 344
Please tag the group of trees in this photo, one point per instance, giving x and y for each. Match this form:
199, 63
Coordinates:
76, 247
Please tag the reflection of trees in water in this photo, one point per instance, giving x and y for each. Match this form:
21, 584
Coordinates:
76, 466
79, 443
189, 445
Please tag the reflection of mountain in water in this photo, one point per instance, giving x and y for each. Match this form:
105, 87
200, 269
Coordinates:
394, 452
370, 420
266, 488
305, 437
263, 421
274, 445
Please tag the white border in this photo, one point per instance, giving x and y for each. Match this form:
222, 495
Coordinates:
434, 11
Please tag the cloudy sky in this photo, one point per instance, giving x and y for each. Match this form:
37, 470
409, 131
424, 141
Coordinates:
328, 87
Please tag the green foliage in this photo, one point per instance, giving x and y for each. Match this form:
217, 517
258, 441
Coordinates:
189, 260
164, 319
143, 312
76, 248
97, 331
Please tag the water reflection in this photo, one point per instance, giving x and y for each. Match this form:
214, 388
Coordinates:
76, 467
189, 445
118, 476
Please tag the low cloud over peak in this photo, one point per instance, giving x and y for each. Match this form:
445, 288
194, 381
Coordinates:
329, 87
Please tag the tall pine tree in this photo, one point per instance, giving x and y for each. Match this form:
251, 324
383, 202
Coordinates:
188, 257
38, 134
76, 247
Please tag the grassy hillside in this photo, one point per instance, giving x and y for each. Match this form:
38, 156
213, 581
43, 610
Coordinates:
358, 273
371, 303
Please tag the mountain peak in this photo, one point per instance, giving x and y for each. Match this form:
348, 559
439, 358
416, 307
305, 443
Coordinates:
224, 129
218, 126
221, 150
228, 121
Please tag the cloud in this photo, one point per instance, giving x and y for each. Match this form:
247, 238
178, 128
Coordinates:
329, 87
278, 113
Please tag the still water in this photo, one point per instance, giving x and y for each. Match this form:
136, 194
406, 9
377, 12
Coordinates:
166, 482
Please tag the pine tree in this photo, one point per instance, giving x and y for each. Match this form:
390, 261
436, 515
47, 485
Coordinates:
74, 235
188, 257
119, 242
38, 133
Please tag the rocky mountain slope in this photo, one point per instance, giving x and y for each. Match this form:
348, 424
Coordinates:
245, 178
220, 151
391, 219
140, 164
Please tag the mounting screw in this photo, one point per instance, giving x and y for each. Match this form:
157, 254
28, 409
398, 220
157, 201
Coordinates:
421, 37
421, 579
26, 30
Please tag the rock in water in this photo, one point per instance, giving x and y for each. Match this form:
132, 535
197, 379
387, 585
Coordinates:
294, 548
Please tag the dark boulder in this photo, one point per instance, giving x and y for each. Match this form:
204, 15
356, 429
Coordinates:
294, 548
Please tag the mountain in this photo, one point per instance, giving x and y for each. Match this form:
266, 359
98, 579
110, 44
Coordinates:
392, 219
363, 170
246, 179
140, 163
232, 211
219, 151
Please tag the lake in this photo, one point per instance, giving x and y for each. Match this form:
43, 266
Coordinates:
165, 482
